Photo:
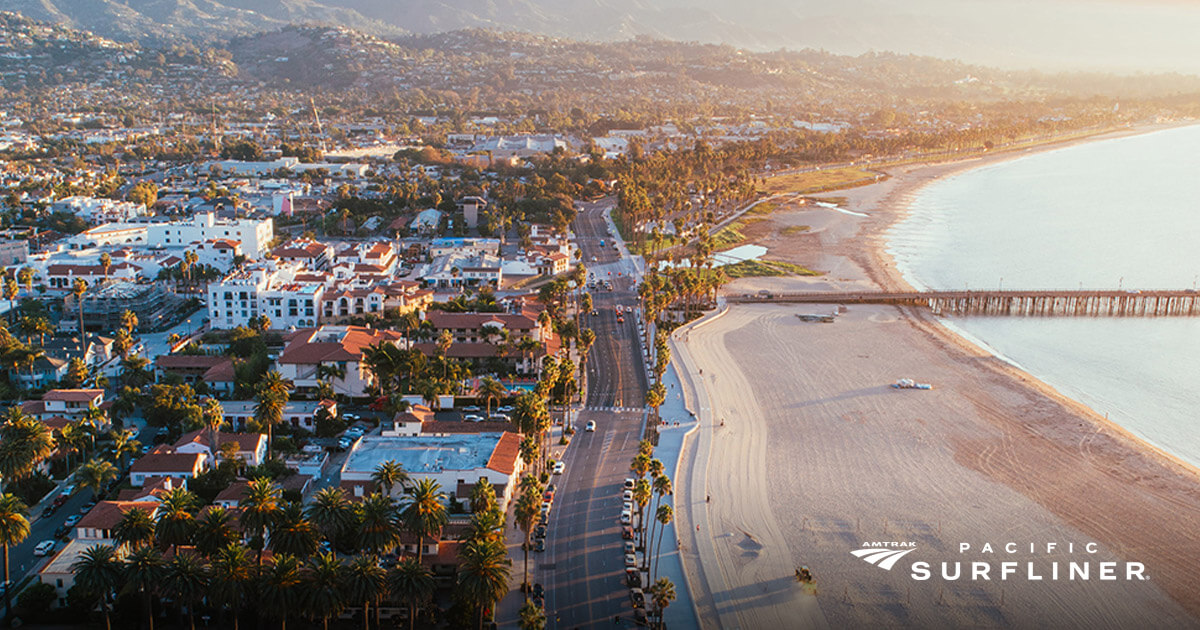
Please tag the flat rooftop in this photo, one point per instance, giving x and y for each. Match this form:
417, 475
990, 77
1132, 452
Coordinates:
423, 454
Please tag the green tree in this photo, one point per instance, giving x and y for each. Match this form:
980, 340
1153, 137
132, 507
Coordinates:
100, 572
95, 474
135, 529
376, 524
531, 617
232, 576
389, 474
293, 534
529, 505
412, 584
214, 530
273, 392
24, 443
176, 522
425, 514
483, 574
14, 529
662, 593
280, 587
144, 572
323, 592
331, 512
186, 582
260, 506
491, 390
78, 289
366, 582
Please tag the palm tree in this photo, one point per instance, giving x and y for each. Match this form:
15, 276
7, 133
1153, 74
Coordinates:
273, 391
260, 506
135, 529
445, 340
365, 582
11, 289
293, 534
129, 320
425, 515
529, 505
642, 494
144, 574
105, 263
98, 570
70, 440
186, 581
37, 325
483, 574
232, 574
531, 617
662, 593
664, 516
376, 524
388, 474
330, 512
213, 415
14, 529
122, 342
214, 530
279, 590
94, 417
176, 518
412, 584
95, 474
491, 389
323, 592
124, 444
24, 443
25, 277
78, 289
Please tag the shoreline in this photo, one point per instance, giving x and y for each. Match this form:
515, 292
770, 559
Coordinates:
1109, 485
882, 267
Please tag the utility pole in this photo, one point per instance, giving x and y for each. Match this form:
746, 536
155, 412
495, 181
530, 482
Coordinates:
317, 118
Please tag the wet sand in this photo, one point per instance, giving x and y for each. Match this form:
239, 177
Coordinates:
818, 455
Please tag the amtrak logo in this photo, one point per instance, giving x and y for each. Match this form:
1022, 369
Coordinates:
884, 555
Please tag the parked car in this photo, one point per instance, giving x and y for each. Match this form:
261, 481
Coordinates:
471, 408
354, 432
627, 506
540, 531
629, 484
60, 500
539, 545
344, 443
627, 533
630, 546
473, 418
505, 409
639, 617
560, 468
62, 531
538, 590
48, 511
500, 417
633, 577
630, 560
626, 517
590, 427
87, 507
627, 495
637, 597
44, 548
548, 495
72, 520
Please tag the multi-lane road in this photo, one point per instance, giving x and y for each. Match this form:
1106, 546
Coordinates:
583, 566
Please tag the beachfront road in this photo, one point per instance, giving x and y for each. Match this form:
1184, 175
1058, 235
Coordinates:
583, 567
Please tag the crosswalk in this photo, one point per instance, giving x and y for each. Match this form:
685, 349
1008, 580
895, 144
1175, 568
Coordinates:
617, 409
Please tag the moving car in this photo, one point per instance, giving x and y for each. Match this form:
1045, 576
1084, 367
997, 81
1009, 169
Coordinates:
559, 468
44, 548
591, 426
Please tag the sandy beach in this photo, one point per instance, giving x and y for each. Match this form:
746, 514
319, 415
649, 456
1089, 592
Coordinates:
807, 453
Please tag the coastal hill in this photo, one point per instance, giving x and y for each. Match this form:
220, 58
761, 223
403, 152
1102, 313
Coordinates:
1005, 33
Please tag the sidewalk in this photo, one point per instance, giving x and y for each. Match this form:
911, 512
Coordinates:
677, 423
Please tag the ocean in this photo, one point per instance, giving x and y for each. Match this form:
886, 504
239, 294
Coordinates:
1118, 213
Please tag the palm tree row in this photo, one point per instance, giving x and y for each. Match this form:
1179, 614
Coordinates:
650, 493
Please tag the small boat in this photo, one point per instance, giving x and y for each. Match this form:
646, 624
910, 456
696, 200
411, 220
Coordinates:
908, 383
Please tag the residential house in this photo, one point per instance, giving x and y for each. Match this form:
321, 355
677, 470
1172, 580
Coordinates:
251, 447
334, 354
162, 462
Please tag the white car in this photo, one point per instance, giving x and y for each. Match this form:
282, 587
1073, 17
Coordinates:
630, 560
72, 520
630, 483
590, 427
627, 506
559, 468
627, 495
473, 418
626, 517
505, 408
44, 548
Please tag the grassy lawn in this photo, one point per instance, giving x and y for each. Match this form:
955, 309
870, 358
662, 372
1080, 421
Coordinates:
731, 235
758, 268
763, 209
819, 181
793, 230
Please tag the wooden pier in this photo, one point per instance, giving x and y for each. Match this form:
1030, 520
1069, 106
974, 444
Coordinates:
1081, 303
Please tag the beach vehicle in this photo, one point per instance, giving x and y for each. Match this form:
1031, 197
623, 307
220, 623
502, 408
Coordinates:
908, 383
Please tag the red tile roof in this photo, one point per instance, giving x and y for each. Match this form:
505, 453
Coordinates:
107, 514
307, 346
189, 361
73, 395
506, 455
247, 442
167, 463
474, 321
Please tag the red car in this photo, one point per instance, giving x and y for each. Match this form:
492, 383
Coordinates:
627, 532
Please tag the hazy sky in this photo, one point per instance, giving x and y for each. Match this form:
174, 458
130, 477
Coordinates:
1124, 35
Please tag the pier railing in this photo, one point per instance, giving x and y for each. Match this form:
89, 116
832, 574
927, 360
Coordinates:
1082, 303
